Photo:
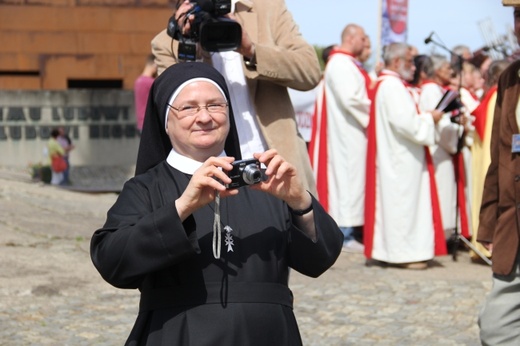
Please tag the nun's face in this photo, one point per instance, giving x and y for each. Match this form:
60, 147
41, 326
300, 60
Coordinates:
198, 121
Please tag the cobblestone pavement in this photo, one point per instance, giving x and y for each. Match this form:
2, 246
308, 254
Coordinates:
50, 294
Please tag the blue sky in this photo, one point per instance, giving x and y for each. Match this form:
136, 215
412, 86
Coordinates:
453, 21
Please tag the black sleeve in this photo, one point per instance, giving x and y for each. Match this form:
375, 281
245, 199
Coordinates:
140, 236
314, 258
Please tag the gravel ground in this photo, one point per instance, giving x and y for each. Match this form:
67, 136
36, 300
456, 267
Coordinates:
50, 294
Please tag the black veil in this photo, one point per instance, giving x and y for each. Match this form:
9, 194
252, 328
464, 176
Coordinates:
155, 144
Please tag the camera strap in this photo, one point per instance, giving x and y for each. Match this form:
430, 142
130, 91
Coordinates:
217, 236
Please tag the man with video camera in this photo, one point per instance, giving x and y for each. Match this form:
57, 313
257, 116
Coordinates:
269, 56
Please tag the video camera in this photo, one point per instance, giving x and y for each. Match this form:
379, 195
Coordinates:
214, 32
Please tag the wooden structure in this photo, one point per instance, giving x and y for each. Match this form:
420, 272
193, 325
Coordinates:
66, 44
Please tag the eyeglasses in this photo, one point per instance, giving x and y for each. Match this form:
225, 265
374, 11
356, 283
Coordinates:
191, 110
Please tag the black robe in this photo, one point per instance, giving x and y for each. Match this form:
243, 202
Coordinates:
187, 296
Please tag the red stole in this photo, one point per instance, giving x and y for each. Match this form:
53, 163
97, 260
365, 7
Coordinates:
370, 190
475, 97
460, 180
428, 81
438, 228
368, 80
318, 143
460, 170
480, 112
370, 181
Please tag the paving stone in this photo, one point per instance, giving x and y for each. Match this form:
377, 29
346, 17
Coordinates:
50, 293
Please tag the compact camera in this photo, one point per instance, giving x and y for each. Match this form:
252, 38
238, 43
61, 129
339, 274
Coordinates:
245, 172
214, 32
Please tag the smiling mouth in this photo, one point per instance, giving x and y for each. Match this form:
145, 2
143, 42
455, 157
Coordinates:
205, 130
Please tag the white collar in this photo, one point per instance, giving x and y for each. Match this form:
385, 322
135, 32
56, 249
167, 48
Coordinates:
183, 163
388, 72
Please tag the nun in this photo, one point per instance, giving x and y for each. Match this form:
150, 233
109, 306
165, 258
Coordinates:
211, 262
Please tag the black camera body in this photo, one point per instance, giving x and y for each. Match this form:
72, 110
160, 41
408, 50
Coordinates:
456, 116
214, 32
457, 111
245, 172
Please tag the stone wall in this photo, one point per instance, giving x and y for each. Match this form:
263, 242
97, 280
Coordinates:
101, 124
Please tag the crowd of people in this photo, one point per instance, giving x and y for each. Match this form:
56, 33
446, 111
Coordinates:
439, 142
395, 169
403, 211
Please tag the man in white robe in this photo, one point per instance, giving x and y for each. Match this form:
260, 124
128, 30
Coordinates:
443, 151
346, 93
399, 222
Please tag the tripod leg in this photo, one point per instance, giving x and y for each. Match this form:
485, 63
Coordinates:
455, 245
472, 247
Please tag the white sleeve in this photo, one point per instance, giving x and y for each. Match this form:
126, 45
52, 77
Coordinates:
402, 113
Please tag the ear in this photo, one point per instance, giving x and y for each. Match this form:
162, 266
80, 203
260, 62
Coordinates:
395, 62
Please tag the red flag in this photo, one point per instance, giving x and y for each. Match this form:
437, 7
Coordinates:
394, 25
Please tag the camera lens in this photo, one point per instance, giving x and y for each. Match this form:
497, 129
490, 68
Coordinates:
252, 174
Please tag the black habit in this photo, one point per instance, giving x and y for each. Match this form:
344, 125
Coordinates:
187, 296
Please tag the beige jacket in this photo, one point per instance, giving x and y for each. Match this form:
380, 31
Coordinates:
284, 59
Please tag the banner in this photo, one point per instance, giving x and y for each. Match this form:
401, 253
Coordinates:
303, 103
394, 26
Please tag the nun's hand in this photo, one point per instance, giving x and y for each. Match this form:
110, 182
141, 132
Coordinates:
283, 180
204, 184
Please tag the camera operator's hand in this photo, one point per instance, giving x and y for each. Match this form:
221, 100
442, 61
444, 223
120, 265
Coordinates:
180, 17
247, 47
203, 185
